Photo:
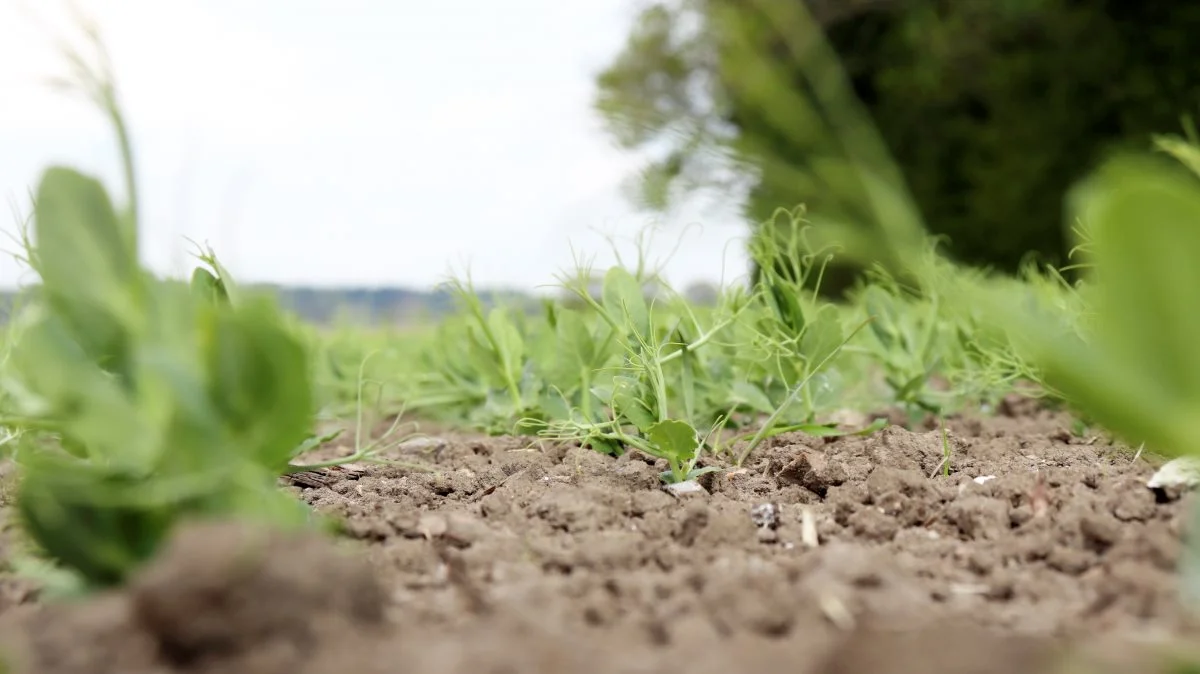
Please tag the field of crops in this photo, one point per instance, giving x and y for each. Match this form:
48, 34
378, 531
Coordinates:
947, 471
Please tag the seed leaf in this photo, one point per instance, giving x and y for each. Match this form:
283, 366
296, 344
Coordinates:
675, 440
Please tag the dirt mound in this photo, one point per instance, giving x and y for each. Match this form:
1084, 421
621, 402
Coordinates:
220, 598
1011, 551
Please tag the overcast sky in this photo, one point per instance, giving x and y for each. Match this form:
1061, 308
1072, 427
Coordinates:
363, 142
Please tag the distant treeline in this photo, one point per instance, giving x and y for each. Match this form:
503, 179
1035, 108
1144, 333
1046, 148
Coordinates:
381, 305
396, 306
402, 306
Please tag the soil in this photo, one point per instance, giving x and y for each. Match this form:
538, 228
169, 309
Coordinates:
1038, 552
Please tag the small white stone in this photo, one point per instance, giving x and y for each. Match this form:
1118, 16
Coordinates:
684, 488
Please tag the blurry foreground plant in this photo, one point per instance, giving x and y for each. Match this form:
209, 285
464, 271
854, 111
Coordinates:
141, 401
1136, 368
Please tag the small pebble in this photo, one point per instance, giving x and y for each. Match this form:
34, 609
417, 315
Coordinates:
684, 488
765, 515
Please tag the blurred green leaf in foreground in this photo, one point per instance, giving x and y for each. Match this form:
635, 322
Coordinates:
141, 401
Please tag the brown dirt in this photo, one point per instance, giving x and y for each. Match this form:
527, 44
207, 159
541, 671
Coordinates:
511, 558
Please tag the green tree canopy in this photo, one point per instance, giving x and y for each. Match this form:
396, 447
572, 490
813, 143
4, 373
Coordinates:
984, 113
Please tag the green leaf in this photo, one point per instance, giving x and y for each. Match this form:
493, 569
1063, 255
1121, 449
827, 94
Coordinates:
604, 391
697, 472
752, 396
604, 446
509, 345
102, 543
1138, 373
785, 301
208, 287
879, 307
171, 400
828, 430
554, 407
1184, 151
94, 412
910, 389
87, 263
676, 440
831, 431
482, 359
625, 302
314, 441
551, 310
574, 338
259, 381
823, 336
628, 399
1145, 223
224, 280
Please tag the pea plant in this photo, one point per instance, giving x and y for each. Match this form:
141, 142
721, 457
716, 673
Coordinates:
655, 396
906, 337
792, 334
136, 402
503, 369
672, 377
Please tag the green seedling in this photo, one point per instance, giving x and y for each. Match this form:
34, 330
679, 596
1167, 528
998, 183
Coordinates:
504, 369
794, 330
366, 449
906, 340
772, 425
652, 394
346, 357
626, 352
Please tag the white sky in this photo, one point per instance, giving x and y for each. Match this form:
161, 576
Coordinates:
363, 142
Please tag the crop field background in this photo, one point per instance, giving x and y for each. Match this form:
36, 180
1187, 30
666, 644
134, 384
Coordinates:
936, 468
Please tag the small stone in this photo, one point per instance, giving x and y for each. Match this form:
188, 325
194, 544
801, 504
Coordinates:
432, 526
813, 472
872, 524
422, 444
685, 488
765, 515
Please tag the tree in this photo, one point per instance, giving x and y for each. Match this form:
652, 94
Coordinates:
983, 113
